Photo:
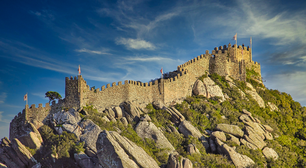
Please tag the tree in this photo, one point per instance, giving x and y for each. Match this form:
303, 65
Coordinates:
53, 95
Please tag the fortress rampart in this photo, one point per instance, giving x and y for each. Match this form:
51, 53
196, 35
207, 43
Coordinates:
223, 60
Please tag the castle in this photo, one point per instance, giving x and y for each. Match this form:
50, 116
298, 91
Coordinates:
224, 60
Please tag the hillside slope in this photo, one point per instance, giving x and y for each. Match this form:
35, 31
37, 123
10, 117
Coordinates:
226, 123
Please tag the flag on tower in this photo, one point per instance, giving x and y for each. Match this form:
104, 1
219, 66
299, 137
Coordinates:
235, 37
161, 70
79, 70
25, 97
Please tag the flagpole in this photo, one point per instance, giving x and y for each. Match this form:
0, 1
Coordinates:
162, 72
251, 46
27, 99
236, 44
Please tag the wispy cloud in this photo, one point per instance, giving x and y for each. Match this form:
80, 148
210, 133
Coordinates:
34, 57
45, 15
35, 13
84, 50
148, 59
41, 95
3, 97
134, 22
135, 43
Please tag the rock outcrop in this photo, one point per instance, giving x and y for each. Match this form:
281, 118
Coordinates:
187, 129
83, 160
272, 106
176, 116
230, 129
2, 165
177, 161
255, 133
191, 149
213, 89
239, 160
255, 95
270, 153
15, 154
31, 138
117, 151
199, 89
218, 134
118, 113
67, 121
90, 134
146, 129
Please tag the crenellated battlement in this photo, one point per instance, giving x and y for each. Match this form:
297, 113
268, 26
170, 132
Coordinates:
224, 60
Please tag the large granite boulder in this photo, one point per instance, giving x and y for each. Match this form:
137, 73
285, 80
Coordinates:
230, 129
272, 106
177, 161
117, 151
270, 153
218, 134
90, 134
133, 110
67, 121
191, 149
23, 154
199, 89
213, 89
118, 112
233, 139
31, 138
255, 95
110, 114
83, 160
8, 155
67, 117
187, 129
260, 130
2, 165
176, 116
239, 160
248, 144
145, 129
255, 139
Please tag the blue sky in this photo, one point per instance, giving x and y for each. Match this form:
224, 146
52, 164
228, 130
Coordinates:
42, 42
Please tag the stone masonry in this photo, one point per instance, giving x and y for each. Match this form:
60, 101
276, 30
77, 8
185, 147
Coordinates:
223, 60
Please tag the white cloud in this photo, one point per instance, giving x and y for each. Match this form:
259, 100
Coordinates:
3, 97
135, 43
148, 59
84, 50
41, 95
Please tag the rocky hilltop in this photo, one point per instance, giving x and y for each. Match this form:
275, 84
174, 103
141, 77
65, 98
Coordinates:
224, 122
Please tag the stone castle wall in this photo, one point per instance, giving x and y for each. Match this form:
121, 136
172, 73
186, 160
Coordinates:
223, 60
33, 114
